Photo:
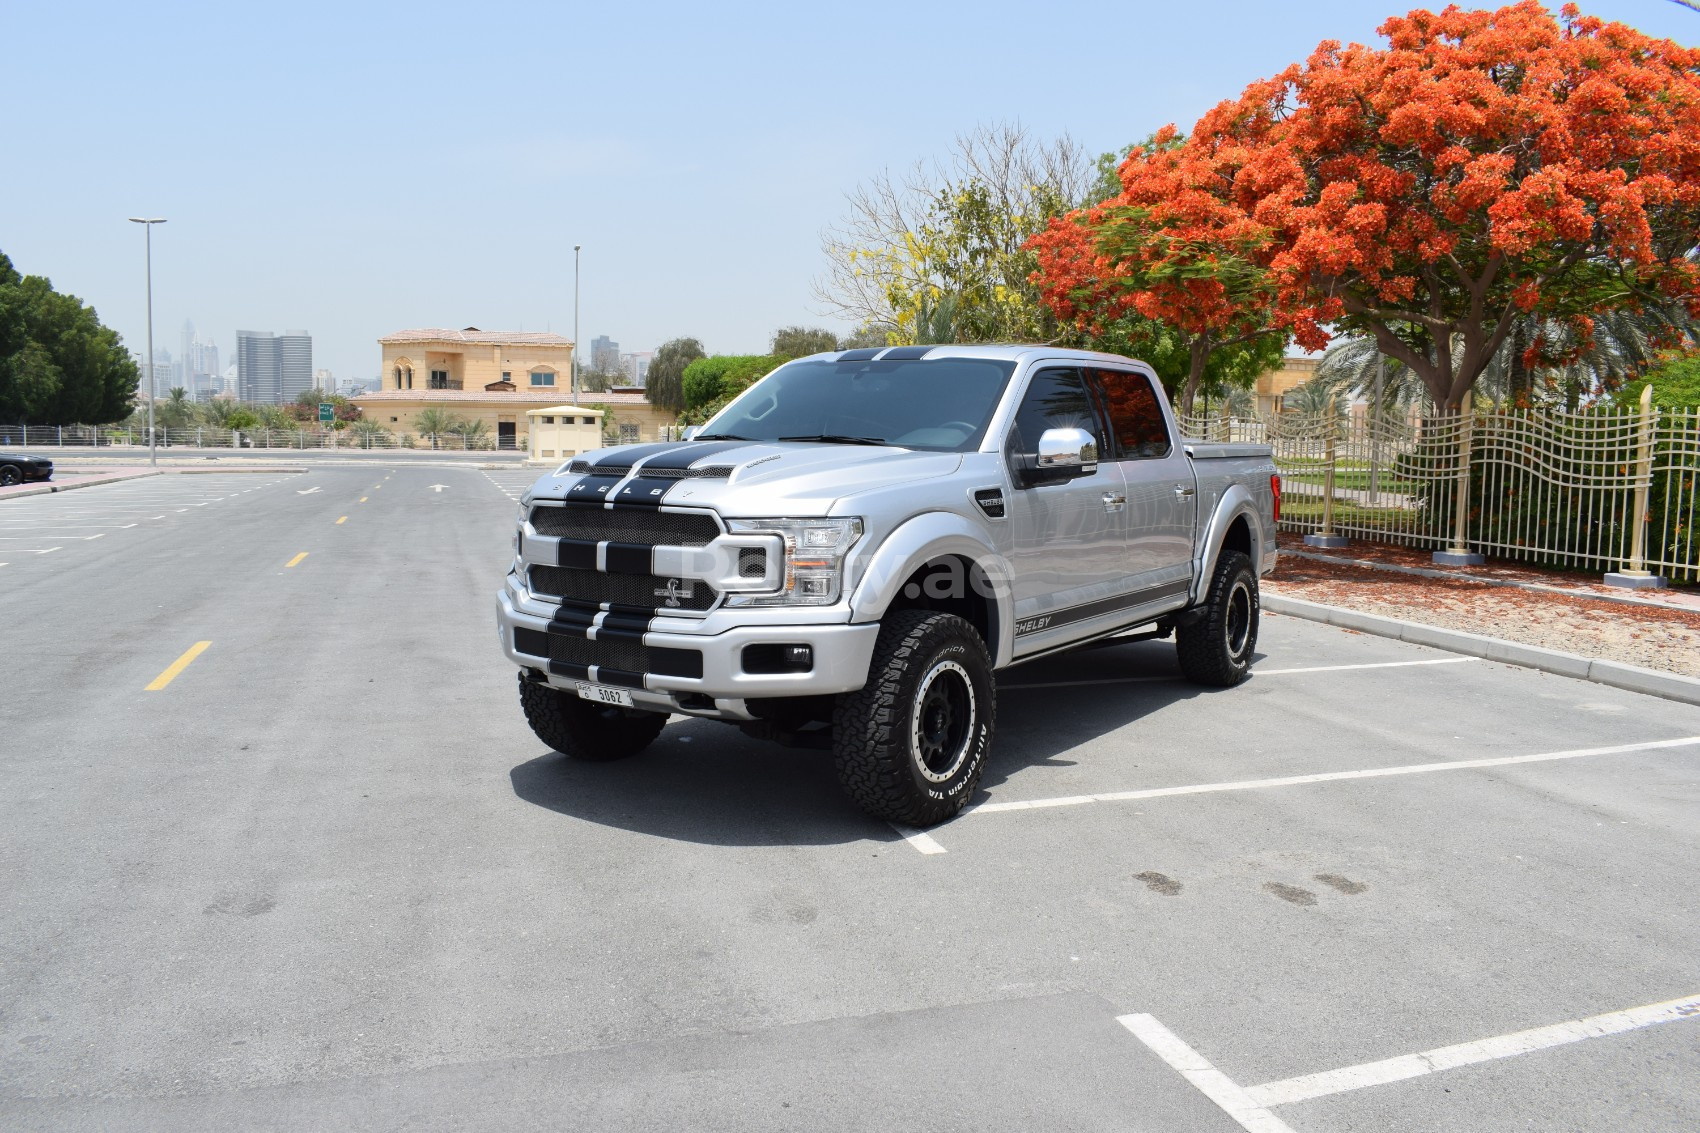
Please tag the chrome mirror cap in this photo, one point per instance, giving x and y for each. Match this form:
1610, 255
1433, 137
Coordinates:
1068, 450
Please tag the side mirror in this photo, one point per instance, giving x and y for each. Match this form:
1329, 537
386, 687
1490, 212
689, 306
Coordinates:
690, 433
1066, 453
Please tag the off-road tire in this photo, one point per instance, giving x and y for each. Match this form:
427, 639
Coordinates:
579, 729
935, 666
1218, 647
10, 474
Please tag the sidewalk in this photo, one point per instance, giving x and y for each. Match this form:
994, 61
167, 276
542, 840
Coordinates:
65, 479
1567, 611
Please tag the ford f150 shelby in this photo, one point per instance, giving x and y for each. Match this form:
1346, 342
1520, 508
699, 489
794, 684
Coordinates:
846, 553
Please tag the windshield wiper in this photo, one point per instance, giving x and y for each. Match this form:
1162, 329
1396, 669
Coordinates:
720, 437
839, 439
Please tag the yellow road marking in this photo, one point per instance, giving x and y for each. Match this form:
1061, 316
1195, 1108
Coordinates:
362, 499
178, 666
295, 560
344, 519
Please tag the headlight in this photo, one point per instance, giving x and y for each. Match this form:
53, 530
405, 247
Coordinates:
814, 559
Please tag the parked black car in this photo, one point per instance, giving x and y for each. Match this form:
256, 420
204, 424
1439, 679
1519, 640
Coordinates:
16, 468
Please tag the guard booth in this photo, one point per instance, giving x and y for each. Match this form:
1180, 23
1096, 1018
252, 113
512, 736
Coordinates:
562, 431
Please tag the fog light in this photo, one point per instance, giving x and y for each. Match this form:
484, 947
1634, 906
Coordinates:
769, 660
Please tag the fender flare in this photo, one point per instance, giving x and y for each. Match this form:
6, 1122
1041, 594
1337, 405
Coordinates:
918, 541
1238, 500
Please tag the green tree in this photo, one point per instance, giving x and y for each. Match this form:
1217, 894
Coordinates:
241, 418
434, 422
58, 364
176, 411
799, 342
1676, 384
471, 431
957, 229
711, 382
665, 387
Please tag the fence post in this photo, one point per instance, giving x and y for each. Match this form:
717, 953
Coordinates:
1636, 575
1326, 537
1459, 554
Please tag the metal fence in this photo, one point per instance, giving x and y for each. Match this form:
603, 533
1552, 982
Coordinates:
1608, 488
91, 436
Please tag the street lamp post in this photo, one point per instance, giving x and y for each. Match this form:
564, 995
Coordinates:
574, 366
147, 224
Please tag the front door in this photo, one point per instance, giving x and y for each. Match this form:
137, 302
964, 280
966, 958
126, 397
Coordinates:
505, 434
1066, 537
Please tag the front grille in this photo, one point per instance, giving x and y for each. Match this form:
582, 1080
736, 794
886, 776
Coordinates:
632, 656
646, 591
625, 525
752, 562
623, 655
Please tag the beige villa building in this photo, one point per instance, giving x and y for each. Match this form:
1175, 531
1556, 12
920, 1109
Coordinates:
495, 376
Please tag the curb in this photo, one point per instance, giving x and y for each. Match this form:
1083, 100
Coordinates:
221, 470
47, 488
1614, 673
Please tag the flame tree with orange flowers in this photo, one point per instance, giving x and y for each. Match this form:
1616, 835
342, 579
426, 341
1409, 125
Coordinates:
1482, 168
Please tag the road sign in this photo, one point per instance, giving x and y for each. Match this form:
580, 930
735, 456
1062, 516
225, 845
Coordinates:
327, 412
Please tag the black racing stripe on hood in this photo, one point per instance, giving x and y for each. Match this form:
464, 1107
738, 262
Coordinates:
644, 493
594, 489
688, 454
622, 458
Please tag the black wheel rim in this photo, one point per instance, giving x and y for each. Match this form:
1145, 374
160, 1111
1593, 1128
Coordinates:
943, 721
1237, 625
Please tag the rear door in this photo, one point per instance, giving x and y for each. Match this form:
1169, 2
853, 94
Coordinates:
1158, 522
1066, 549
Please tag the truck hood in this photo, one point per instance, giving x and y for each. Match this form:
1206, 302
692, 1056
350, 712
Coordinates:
742, 478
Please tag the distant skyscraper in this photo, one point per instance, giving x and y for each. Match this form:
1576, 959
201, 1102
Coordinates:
636, 366
273, 369
604, 355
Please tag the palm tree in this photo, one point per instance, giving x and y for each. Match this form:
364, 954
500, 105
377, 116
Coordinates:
177, 411
470, 430
1624, 344
433, 421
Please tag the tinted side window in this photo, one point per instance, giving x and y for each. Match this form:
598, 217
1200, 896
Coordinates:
1055, 399
1136, 416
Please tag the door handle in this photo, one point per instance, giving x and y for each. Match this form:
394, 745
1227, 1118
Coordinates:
1113, 501
1185, 490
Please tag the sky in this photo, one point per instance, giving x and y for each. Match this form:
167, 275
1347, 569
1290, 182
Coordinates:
354, 169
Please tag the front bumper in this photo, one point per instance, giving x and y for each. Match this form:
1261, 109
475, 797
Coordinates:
842, 653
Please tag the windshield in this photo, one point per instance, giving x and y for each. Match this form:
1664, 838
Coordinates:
943, 404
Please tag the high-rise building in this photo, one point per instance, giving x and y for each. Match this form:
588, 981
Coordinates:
636, 366
273, 369
604, 355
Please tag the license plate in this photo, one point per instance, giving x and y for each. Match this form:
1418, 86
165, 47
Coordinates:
603, 694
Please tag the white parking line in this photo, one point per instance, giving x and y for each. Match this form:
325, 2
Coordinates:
920, 839
1324, 777
1211, 1082
1464, 1054
1254, 673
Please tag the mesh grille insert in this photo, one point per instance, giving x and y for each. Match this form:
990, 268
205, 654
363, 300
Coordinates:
625, 525
752, 562
647, 591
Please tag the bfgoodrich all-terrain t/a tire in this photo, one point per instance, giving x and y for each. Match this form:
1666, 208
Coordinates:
911, 744
1217, 648
581, 729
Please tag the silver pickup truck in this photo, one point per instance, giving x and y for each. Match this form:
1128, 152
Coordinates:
845, 555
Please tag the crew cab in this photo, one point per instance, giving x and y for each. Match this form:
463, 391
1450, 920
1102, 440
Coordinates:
845, 555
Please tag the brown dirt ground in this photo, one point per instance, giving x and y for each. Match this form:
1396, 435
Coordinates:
1667, 639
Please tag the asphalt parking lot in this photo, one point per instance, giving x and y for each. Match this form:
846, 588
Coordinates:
280, 853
